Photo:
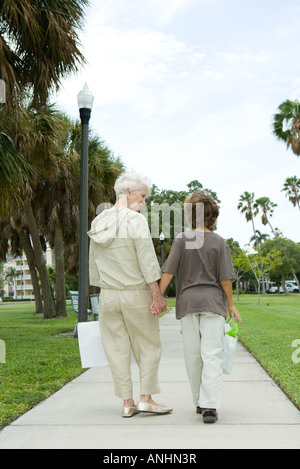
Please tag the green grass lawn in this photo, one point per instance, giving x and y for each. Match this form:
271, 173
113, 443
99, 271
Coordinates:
268, 332
39, 362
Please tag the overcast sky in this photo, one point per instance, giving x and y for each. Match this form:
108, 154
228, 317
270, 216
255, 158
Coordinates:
186, 89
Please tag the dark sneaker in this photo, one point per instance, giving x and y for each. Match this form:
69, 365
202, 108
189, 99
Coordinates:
198, 410
209, 415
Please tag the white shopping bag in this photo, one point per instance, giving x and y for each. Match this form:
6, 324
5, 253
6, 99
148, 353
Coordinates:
91, 348
90, 345
230, 344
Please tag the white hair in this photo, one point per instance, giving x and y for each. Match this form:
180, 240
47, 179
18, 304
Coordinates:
133, 181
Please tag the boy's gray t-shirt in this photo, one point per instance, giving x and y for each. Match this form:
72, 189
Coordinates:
200, 262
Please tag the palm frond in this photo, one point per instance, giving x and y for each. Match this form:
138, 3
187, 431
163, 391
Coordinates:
45, 44
13, 167
286, 124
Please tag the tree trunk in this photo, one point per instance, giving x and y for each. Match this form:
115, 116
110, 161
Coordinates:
263, 286
26, 246
254, 231
49, 307
237, 287
258, 290
60, 292
272, 228
283, 283
295, 278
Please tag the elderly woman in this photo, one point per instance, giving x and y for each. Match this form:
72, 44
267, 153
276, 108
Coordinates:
124, 265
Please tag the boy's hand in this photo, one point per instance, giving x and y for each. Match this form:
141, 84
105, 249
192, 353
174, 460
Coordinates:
233, 313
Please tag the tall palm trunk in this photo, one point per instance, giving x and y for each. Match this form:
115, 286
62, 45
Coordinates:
26, 246
271, 227
49, 307
59, 272
254, 230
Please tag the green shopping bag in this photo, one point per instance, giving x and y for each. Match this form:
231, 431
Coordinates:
230, 343
233, 327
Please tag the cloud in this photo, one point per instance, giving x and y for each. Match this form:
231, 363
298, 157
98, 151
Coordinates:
244, 55
169, 8
184, 92
108, 11
141, 68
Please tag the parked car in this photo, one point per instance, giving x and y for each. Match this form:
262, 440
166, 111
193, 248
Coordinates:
290, 286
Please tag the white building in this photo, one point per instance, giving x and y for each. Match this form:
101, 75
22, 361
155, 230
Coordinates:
19, 286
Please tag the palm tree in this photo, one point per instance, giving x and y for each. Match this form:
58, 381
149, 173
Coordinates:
58, 214
292, 190
57, 211
14, 239
26, 245
12, 274
35, 135
48, 204
103, 169
259, 238
12, 168
286, 124
245, 205
267, 207
39, 45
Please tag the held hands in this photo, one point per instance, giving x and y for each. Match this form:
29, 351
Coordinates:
233, 313
158, 306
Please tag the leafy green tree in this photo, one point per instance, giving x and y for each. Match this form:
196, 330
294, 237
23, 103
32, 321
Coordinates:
291, 188
286, 124
239, 262
174, 222
289, 258
261, 264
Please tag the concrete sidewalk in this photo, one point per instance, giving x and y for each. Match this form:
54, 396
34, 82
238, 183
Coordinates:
85, 414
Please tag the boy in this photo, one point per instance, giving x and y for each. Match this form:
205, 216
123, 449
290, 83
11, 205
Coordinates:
203, 297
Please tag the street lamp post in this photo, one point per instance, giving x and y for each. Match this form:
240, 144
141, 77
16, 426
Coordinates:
85, 103
162, 238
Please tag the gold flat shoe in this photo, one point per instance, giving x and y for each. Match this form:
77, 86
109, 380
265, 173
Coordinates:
155, 409
129, 411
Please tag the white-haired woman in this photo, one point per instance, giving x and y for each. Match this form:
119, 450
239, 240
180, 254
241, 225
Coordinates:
124, 265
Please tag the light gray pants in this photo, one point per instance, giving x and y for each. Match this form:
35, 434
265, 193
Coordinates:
203, 339
126, 324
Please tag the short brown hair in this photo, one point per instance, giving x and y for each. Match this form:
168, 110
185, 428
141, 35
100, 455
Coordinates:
211, 210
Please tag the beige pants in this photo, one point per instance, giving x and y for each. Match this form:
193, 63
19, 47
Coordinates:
203, 339
126, 324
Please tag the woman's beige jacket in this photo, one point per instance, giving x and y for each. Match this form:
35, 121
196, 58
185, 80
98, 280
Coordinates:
122, 254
